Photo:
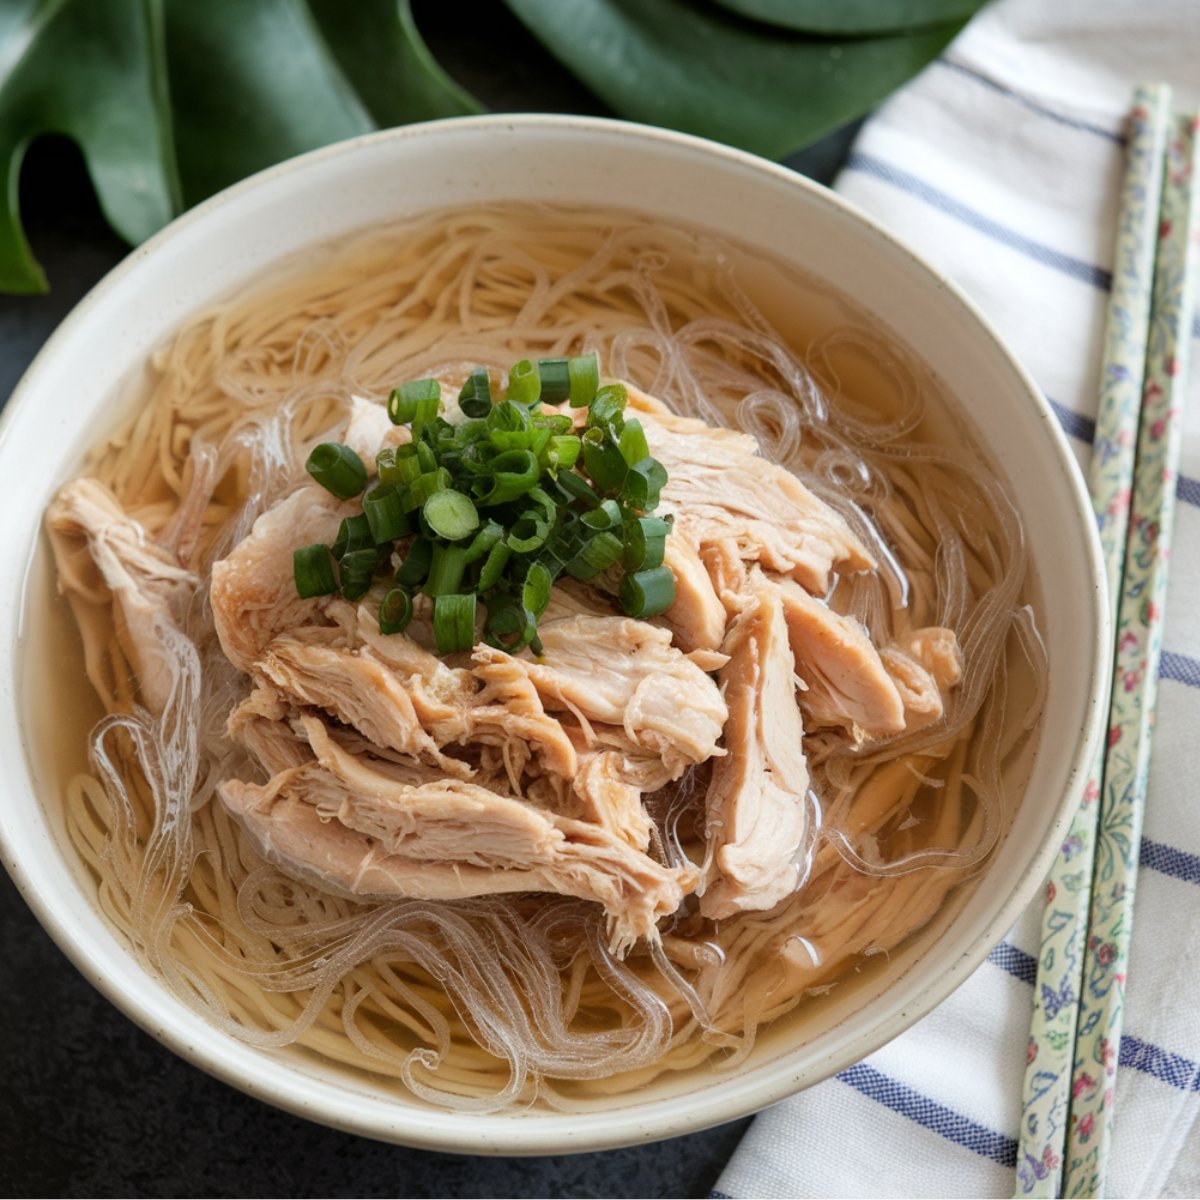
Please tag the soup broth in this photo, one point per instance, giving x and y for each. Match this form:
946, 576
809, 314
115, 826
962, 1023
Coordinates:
487, 1003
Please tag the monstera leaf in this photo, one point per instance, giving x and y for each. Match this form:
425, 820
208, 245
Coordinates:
172, 100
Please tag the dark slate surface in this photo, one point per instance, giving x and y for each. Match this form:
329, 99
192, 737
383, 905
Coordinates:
92, 1106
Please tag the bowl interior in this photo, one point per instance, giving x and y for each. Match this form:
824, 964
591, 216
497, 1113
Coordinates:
230, 240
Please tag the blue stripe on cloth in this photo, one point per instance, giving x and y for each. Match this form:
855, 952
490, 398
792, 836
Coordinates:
1167, 860
897, 177
1180, 668
1076, 425
1171, 1069
933, 1116
1016, 962
1111, 135
1083, 429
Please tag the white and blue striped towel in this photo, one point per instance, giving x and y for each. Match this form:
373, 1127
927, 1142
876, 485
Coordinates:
1001, 164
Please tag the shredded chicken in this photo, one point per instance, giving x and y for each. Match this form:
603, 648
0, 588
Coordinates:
102, 553
924, 665
756, 806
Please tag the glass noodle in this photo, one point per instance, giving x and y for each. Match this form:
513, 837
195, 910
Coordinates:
482, 1004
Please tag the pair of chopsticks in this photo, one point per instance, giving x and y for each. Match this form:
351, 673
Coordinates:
1079, 993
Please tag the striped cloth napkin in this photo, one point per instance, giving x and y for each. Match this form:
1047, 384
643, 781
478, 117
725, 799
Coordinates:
1001, 164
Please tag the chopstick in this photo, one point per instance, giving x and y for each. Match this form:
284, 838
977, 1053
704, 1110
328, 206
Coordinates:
1049, 1056
1135, 678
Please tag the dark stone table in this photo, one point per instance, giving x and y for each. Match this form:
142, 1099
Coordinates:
91, 1105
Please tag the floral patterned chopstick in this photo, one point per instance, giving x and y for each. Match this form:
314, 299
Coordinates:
1046, 1092
1135, 677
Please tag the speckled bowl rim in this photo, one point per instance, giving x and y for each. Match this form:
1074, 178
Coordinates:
340, 1106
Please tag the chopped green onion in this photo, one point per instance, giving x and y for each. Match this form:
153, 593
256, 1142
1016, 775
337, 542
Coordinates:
415, 567
426, 458
644, 483
606, 516
555, 377
562, 451
450, 514
528, 533
493, 567
645, 543
424, 486
312, 569
454, 622
535, 592
584, 375
484, 540
647, 593
445, 570
415, 404
575, 487
633, 442
516, 471
524, 384
398, 465
475, 399
357, 569
337, 469
603, 461
595, 555
385, 514
395, 611
606, 411
548, 508
354, 533
510, 626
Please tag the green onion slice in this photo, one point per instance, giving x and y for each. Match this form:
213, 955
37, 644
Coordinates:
454, 622
633, 443
535, 592
418, 400
603, 461
645, 543
395, 611
450, 514
416, 562
647, 593
516, 471
385, 514
312, 569
475, 399
484, 540
555, 377
524, 384
354, 533
357, 569
643, 484
397, 466
584, 375
596, 554
528, 533
337, 469
424, 486
493, 566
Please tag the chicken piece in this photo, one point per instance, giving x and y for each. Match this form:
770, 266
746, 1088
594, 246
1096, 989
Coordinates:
924, 665
846, 682
260, 724
624, 672
369, 429
697, 617
371, 829
718, 487
253, 591
354, 688
106, 560
756, 805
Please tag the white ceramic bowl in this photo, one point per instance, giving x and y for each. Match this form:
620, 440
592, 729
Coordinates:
229, 241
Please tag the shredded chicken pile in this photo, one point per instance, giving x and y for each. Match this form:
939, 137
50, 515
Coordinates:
388, 771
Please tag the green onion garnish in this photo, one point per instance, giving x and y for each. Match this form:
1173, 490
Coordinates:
524, 384
498, 506
648, 593
584, 375
555, 377
454, 622
475, 399
337, 469
385, 514
450, 514
312, 569
395, 611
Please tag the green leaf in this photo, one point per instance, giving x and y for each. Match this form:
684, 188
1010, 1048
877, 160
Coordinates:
377, 44
251, 84
854, 17
701, 71
92, 71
